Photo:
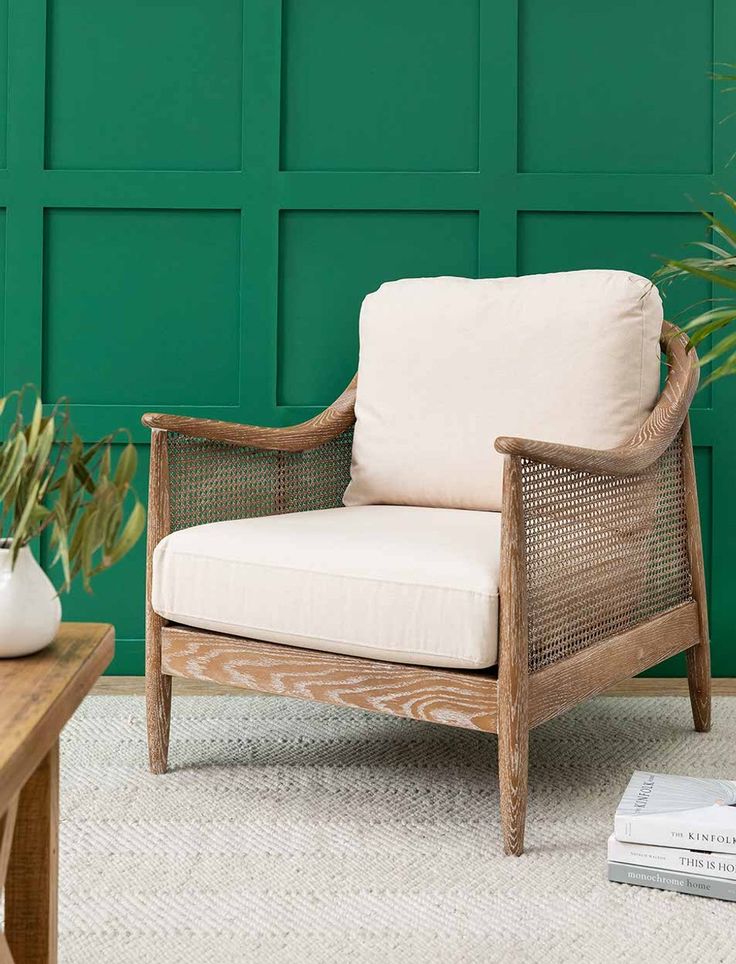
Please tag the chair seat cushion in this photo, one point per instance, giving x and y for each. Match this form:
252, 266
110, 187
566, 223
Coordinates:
449, 364
407, 584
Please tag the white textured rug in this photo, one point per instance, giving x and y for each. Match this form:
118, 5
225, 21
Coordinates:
292, 832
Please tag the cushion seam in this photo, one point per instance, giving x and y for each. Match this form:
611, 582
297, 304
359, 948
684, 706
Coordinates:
641, 360
338, 642
333, 575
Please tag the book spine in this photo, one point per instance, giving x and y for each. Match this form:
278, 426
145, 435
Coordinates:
672, 880
673, 858
667, 831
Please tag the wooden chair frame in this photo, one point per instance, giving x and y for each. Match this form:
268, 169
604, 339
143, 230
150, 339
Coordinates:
521, 692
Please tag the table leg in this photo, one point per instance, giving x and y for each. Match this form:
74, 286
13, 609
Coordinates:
5, 957
7, 829
31, 889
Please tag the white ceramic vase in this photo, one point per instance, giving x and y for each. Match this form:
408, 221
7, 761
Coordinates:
30, 610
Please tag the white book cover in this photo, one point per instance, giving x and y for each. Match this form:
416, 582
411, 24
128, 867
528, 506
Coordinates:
711, 864
691, 813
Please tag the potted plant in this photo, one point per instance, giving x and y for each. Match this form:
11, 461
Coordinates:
51, 482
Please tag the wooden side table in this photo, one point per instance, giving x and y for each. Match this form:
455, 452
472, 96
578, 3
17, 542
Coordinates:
38, 694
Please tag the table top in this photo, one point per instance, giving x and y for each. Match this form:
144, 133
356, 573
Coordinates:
39, 693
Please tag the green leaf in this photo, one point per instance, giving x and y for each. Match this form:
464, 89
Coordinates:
42, 447
112, 527
59, 538
730, 201
688, 267
728, 234
21, 530
95, 448
727, 368
39, 514
76, 448
126, 467
721, 252
14, 456
105, 464
708, 324
35, 425
81, 472
131, 533
721, 347
90, 542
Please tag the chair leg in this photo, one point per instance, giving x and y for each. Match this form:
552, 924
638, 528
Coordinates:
513, 666
513, 778
158, 699
158, 685
698, 656
699, 682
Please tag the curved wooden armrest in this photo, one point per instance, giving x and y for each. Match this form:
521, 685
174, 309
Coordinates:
296, 438
648, 444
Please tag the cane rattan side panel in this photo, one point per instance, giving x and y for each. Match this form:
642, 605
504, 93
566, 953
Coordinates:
211, 481
604, 554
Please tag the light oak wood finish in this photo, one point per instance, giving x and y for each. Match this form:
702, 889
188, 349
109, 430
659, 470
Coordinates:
514, 699
32, 883
7, 829
668, 686
415, 692
638, 688
698, 656
296, 438
469, 700
557, 688
38, 694
513, 670
158, 684
5, 956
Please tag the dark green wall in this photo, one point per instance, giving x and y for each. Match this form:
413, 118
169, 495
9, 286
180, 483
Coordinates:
196, 195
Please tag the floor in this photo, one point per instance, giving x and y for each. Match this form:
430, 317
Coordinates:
290, 831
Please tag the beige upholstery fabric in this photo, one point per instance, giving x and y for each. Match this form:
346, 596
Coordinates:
408, 584
449, 364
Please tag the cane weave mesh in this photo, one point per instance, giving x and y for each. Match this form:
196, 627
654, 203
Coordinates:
213, 481
603, 554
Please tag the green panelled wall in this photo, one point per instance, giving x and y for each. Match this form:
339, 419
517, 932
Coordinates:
196, 195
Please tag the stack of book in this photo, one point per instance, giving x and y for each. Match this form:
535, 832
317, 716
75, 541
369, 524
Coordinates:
676, 833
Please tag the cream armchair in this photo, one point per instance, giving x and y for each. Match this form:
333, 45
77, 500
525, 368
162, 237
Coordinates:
418, 597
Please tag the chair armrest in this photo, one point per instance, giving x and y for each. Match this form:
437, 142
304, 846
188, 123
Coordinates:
204, 470
601, 538
648, 444
296, 438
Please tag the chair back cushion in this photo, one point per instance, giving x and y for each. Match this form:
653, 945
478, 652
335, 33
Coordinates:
449, 364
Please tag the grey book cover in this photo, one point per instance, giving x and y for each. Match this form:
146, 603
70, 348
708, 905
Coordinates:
695, 884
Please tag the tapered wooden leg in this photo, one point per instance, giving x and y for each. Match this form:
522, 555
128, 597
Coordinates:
158, 699
699, 682
158, 686
698, 657
31, 892
513, 663
513, 770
